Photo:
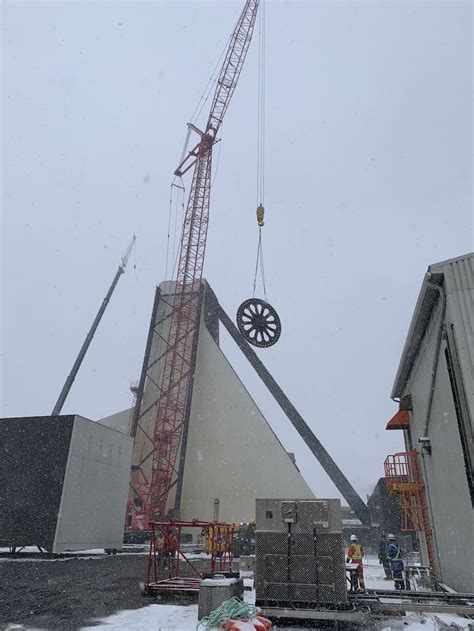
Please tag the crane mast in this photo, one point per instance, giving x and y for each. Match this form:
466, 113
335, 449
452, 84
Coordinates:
176, 374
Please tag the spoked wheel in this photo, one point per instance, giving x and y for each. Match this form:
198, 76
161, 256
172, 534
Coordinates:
258, 322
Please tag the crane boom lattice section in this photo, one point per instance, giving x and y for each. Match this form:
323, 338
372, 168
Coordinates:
232, 66
184, 326
177, 362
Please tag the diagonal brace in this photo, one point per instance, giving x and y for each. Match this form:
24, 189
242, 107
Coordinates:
338, 478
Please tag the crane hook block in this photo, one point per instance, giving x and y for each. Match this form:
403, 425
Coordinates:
260, 214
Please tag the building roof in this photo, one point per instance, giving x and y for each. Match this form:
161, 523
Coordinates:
451, 275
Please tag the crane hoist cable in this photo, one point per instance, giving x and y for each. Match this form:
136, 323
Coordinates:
176, 207
210, 85
259, 263
206, 93
256, 318
261, 111
260, 149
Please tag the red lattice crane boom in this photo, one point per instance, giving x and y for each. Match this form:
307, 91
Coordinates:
176, 373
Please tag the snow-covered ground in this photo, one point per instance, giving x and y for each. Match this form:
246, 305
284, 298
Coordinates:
185, 618
175, 618
154, 617
98, 553
29, 550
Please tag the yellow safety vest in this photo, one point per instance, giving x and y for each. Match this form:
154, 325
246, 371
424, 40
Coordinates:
357, 553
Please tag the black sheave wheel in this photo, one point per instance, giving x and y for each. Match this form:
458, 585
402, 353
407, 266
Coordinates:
258, 322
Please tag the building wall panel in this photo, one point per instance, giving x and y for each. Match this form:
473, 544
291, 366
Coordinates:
33, 457
459, 285
445, 476
452, 513
95, 489
119, 421
232, 453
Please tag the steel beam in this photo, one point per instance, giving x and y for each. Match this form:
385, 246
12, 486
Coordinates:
338, 478
141, 385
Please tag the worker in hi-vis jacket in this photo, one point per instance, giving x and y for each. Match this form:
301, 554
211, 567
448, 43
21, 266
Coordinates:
395, 556
355, 554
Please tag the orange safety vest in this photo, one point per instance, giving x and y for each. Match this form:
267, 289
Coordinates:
355, 552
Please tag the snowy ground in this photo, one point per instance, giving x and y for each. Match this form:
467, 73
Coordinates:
184, 618
86, 554
174, 618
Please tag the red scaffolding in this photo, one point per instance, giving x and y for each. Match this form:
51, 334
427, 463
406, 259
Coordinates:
166, 555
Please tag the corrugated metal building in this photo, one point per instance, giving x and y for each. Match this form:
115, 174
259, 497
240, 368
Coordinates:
435, 386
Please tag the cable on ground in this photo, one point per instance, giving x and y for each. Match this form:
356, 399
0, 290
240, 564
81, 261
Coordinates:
233, 608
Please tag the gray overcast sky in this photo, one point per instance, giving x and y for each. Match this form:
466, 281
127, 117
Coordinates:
368, 181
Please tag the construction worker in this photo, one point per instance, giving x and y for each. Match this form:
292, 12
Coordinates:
355, 554
383, 559
159, 546
167, 546
394, 555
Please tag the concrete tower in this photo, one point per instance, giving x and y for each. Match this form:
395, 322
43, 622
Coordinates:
228, 450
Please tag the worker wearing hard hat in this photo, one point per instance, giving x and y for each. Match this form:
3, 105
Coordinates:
394, 555
355, 554
383, 559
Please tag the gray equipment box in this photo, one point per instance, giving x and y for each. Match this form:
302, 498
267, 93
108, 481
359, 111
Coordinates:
299, 553
303, 515
215, 590
300, 568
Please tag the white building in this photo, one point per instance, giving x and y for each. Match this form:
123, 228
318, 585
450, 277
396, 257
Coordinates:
435, 387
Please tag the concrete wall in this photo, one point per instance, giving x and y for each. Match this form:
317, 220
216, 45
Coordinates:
119, 421
33, 459
63, 483
444, 473
232, 453
95, 489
